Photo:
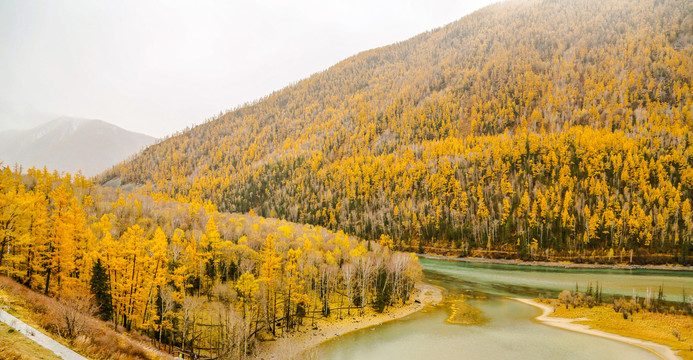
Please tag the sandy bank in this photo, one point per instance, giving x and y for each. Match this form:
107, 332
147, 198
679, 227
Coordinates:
660, 350
558, 264
299, 342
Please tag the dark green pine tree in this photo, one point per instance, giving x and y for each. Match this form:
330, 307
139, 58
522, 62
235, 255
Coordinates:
100, 286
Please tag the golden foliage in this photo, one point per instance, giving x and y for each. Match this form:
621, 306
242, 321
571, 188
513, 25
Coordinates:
509, 123
172, 268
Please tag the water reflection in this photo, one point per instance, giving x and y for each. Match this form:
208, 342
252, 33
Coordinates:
513, 280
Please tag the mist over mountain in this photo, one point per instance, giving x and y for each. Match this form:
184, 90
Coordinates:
530, 132
71, 145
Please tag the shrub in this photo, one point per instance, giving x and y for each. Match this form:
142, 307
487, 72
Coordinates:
70, 317
565, 297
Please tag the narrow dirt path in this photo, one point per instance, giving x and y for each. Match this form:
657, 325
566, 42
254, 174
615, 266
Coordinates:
38, 337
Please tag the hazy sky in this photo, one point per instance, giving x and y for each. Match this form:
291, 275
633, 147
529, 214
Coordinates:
159, 66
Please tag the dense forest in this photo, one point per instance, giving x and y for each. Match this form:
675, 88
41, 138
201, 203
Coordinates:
184, 273
533, 129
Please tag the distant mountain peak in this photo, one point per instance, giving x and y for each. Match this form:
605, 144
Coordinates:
61, 126
71, 144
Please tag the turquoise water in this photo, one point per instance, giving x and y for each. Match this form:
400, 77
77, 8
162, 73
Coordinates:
528, 281
510, 332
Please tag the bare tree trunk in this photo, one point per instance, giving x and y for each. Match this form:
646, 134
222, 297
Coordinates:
288, 312
274, 316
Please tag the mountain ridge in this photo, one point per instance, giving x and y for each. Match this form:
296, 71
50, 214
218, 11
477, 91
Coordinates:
69, 144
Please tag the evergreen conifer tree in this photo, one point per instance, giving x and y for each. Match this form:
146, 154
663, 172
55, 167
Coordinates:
100, 285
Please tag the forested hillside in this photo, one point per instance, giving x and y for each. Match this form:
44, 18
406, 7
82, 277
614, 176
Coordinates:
185, 274
538, 129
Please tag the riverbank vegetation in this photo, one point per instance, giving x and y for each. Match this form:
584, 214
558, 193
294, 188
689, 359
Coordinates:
650, 318
302, 344
530, 129
184, 274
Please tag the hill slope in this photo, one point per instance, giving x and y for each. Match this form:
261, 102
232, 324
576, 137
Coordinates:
184, 274
536, 128
71, 145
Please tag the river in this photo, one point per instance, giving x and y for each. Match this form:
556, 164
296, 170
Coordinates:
509, 330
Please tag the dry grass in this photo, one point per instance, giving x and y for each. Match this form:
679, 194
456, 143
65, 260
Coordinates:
15, 346
672, 330
93, 338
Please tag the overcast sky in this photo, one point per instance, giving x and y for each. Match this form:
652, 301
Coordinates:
158, 66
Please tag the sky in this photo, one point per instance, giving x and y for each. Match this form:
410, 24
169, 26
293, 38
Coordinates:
157, 67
